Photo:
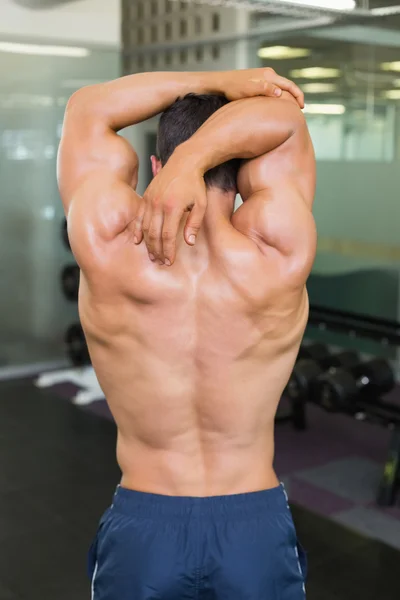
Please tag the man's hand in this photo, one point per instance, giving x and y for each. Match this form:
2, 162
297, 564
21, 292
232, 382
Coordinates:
179, 188
248, 83
175, 190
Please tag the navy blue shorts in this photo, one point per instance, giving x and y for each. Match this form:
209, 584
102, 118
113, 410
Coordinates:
241, 547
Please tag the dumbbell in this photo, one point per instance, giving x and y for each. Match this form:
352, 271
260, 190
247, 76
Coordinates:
340, 390
70, 282
304, 381
77, 349
315, 351
64, 234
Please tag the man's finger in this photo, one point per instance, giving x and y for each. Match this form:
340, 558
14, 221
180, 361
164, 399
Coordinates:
194, 222
154, 236
146, 227
291, 87
260, 87
170, 234
138, 223
272, 90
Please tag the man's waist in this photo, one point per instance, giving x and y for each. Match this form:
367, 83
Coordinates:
219, 467
145, 504
210, 484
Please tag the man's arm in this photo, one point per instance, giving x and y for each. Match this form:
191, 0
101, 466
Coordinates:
245, 129
90, 145
277, 187
97, 169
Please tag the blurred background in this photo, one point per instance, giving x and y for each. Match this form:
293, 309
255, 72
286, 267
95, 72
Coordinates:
345, 54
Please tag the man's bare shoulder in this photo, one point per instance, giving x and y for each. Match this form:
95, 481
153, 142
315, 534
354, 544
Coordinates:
292, 163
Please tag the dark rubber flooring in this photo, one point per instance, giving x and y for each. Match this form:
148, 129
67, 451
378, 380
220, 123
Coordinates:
57, 475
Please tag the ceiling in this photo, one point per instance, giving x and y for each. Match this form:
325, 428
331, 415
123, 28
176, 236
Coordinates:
358, 50
356, 45
41, 3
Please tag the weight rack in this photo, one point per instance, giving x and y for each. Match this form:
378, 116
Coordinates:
374, 410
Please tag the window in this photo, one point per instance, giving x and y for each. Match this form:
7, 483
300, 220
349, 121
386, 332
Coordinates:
154, 36
199, 53
182, 5
168, 6
198, 25
183, 28
168, 58
140, 62
140, 10
183, 56
216, 52
154, 8
168, 31
154, 60
140, 36
216, 22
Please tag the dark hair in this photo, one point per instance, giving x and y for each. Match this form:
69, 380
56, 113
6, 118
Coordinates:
180, 121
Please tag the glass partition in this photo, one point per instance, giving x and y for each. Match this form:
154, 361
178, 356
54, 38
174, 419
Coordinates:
352, 95
33, 95
352, 108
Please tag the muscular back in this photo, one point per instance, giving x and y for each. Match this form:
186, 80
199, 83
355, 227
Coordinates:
193, 358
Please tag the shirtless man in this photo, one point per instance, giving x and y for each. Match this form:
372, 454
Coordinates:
194, 345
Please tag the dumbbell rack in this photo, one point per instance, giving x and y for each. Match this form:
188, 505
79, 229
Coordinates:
313, 361
384, 331
381, 412
375, 410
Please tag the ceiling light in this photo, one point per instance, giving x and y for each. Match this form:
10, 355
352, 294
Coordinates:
392, 94
324, 109
391, 66
282, 52
318, 88
385, 11
315, 73
41, 50
330, 4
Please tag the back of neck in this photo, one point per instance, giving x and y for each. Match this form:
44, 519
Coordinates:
220, 204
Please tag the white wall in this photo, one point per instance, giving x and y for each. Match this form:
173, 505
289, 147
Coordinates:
90, 21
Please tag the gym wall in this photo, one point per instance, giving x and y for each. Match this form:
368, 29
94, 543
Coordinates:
87, 21
34, 91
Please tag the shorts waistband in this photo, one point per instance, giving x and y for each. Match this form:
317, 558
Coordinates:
250, 504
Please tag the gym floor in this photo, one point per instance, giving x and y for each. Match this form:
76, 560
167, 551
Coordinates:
57, 476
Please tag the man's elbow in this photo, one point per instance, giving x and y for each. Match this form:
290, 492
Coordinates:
83, 103
295, 116
78, 100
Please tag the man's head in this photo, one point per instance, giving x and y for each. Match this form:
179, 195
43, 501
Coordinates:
179, 122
